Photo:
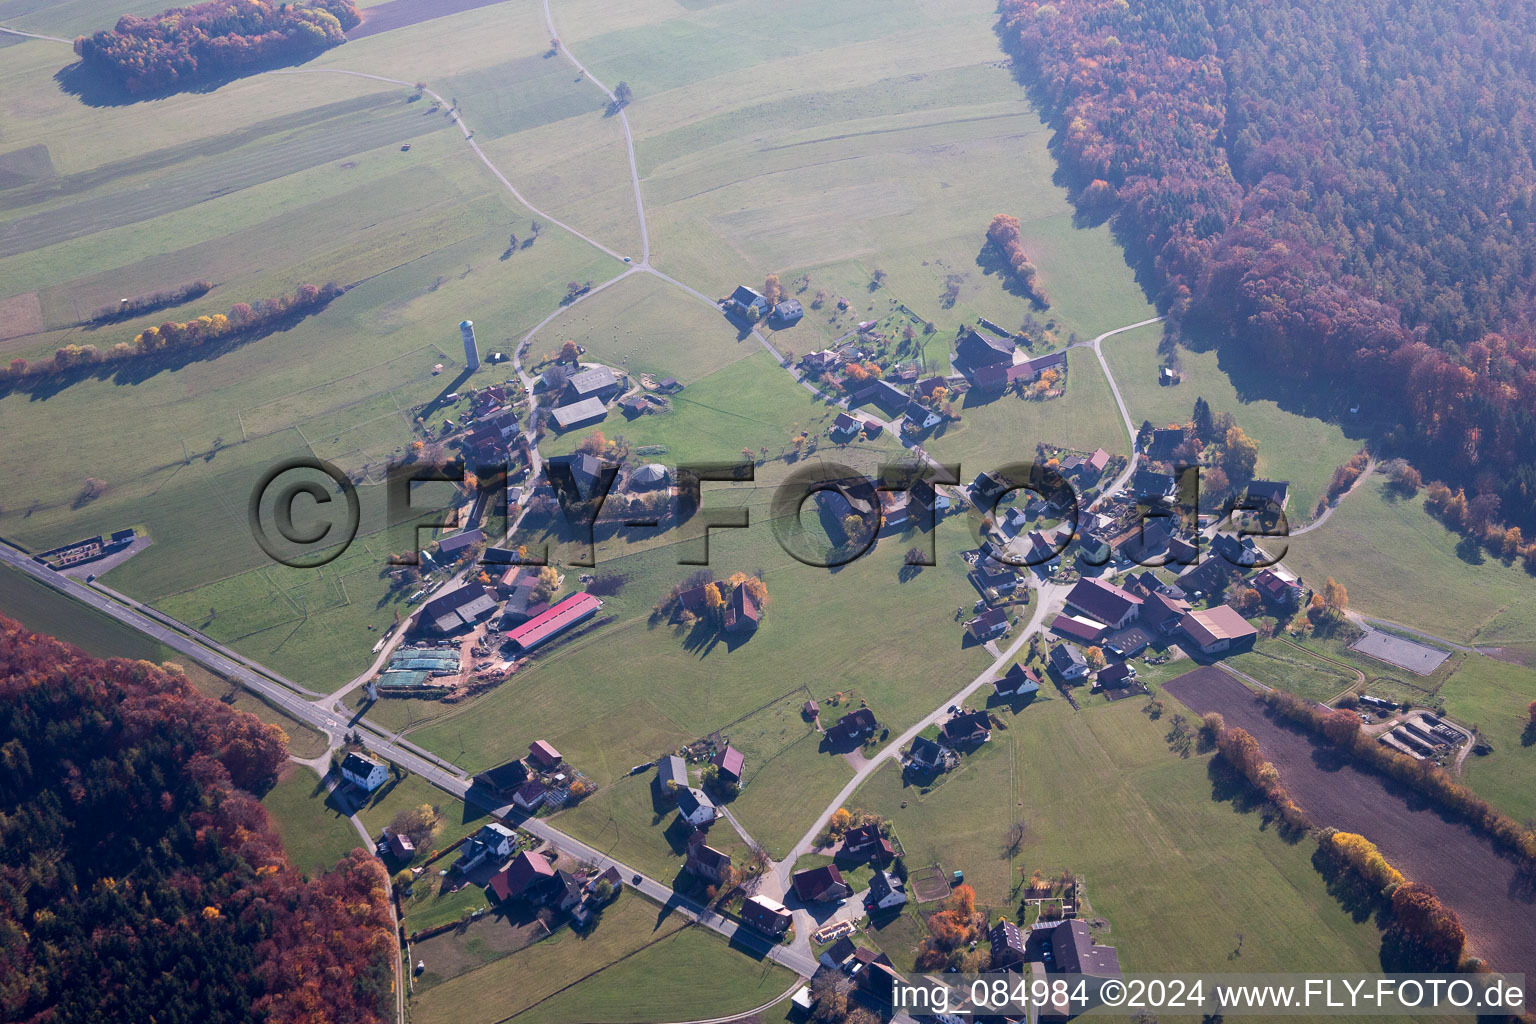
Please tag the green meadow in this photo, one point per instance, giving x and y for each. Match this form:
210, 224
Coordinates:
1166, 858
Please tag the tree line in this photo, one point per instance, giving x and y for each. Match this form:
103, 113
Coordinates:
243, 318
185, 46
1004, 233
1343, 190
140, 879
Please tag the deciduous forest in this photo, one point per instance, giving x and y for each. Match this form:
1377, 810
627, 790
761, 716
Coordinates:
1345, 190
140, 878
187, 46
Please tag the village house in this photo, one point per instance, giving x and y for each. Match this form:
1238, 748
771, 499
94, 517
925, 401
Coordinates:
886, 892
1219, 629
400, 846
966, 729
844, 426
504, 780
977, 349
530, 796
787, 313
1267, 495
598, 382
1162, 613
866, 843
1007, 944
730, 763
543, 756
704, 861
988, 625
1104, 602
1017, 681
820, 362
530, 878
695, 806
745, 302
925, 755
494, 841
741, 612
364, 772
920, 417
1115, 677
855, 727
1278, 587
1164, 441
821, 885
837, 954
766, 915
1068, 662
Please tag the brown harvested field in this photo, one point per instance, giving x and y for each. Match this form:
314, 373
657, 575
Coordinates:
395, 14
20, 315
1496, 906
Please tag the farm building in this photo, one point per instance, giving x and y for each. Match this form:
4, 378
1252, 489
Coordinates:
547, 625
578, 414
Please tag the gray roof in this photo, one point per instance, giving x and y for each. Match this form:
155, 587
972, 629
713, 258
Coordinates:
589, 382
579, 413
672, 769
1065, 656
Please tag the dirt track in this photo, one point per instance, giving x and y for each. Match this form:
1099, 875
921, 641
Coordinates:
1497, 908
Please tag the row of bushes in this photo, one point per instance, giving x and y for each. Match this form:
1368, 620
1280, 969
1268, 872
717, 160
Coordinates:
1342, 728
243, 318
1241, 751
1423, 933
140, 305
1004, 233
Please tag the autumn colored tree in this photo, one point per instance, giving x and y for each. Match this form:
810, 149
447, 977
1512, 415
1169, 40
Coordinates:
1335, 597
570, 352
1341, 727
1005, 235
773, 291
1239, 455
1095, 658
1427, 931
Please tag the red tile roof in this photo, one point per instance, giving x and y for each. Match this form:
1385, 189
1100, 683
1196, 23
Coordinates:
554, 621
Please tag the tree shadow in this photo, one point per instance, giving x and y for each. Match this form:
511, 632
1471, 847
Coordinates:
94, 87
994, 264
137, 369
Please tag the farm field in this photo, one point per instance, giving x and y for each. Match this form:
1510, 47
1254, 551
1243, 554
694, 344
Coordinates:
315, 835
695, 683
623, 820
45, 610
1391, 555
1101, 794
1466, 870
1292, 446
801, 152
639, 963
1494, 696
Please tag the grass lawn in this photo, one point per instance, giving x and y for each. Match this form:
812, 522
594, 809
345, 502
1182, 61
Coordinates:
1493, 695
694, 684
413, 791
44, 610
1278, 664
1174, 871
784, 796
639, 963
1399, 563
749, 403
623, 821
429, 906
1293, 447
315, 835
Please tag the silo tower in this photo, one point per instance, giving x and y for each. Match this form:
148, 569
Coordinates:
471, 353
